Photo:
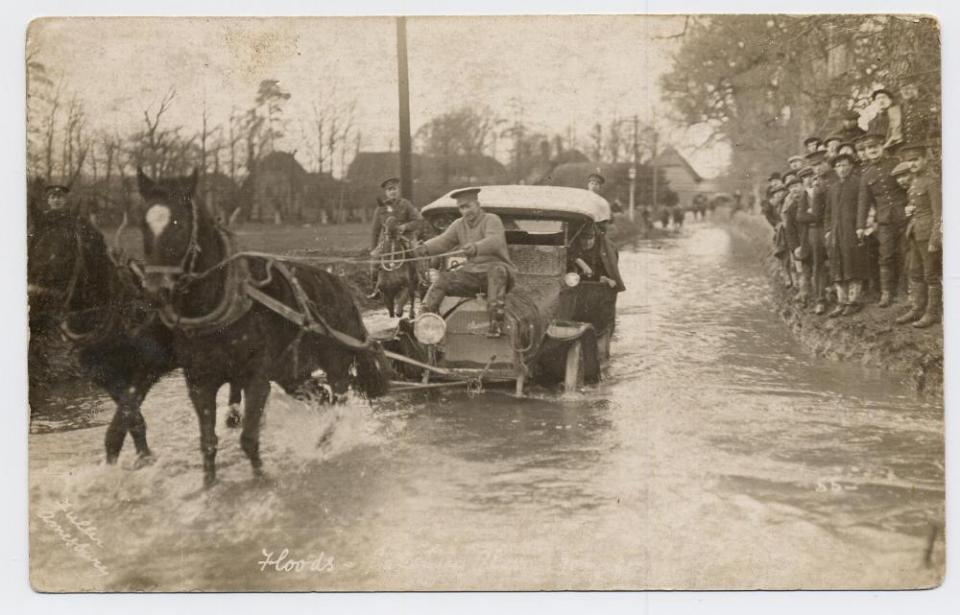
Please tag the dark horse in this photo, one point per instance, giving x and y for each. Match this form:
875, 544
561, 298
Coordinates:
221, 336
122, 347
101, 308
398, 280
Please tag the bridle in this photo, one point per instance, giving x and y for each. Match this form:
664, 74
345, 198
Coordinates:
189, 259
234, 302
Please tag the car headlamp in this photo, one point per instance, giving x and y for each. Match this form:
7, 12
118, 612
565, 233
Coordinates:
429, 329
571, 279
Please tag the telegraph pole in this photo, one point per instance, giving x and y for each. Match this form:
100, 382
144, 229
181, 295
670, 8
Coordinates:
653, 158
633, 168
403, 78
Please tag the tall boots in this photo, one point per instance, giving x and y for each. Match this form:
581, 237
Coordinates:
886, 286
934, 311
918, 301
496, 313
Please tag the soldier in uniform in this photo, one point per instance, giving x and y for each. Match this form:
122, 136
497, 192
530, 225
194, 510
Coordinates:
848, 259
917, 118
56, 197
924, 235
488, 268
850, 129
881, 193
594, 258
405, 216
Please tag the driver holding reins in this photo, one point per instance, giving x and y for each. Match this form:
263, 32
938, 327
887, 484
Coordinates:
481, 237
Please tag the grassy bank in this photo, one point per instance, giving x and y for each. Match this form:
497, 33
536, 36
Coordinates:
869, 337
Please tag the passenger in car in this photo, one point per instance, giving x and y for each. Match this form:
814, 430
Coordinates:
594, 257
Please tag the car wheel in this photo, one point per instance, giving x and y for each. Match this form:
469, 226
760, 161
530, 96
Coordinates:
573, 377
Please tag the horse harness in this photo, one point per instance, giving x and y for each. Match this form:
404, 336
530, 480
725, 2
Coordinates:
101, 331
241, 290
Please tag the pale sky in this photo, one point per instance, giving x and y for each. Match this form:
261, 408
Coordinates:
560, 70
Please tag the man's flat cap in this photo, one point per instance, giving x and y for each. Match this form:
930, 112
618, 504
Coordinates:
839, 157
912, 148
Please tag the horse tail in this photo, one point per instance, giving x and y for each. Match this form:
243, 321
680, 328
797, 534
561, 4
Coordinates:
372, 372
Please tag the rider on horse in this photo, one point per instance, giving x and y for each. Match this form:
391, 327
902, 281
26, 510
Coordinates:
406, 217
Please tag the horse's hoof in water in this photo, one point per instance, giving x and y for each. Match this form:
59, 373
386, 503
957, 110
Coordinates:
233, 417
144, 460
209, 481
112, 459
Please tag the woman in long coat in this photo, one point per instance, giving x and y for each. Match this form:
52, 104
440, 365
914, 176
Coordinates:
848, 257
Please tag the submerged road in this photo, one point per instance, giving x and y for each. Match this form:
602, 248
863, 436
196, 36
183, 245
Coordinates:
715, 454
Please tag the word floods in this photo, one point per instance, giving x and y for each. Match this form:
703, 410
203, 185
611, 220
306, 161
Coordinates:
283, 562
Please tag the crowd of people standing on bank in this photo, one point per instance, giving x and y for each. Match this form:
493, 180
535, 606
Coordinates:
857, 215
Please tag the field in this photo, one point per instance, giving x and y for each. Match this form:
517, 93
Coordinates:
278, 238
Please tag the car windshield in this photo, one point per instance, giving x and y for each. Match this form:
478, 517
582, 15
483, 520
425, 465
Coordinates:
533, 231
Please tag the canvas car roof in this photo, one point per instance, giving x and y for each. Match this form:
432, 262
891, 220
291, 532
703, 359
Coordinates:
535, 201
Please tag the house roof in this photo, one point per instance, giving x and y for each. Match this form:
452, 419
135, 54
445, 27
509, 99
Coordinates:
376, 166
670, 157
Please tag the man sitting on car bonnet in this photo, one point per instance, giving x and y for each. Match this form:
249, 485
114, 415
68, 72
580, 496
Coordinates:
481, 237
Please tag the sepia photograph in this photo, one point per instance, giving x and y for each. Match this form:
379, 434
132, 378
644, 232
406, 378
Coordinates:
484, 303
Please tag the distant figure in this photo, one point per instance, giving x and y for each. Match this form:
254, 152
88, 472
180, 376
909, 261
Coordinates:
595, 182
700, 205
664, 217
678, 214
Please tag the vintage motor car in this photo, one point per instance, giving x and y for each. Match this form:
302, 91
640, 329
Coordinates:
558, 327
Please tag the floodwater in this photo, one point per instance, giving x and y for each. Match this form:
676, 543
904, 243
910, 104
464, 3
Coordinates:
716, 454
